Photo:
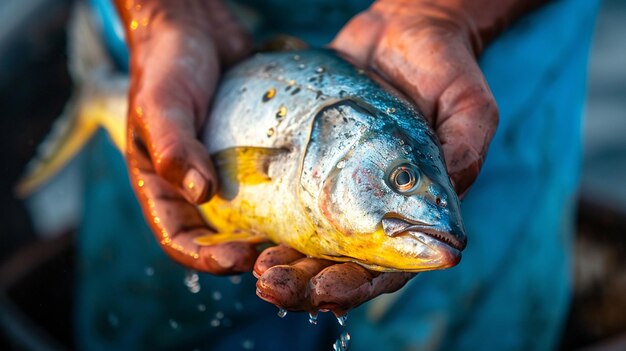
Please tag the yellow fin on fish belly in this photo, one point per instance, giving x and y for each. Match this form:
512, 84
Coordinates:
220, 238
243, 165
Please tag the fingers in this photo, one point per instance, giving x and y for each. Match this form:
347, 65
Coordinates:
176, 222
273, 256
342, 287
313, 285
286, 286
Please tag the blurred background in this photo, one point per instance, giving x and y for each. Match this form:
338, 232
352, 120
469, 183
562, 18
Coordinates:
36, 274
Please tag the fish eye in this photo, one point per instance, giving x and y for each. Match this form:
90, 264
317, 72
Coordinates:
404, 178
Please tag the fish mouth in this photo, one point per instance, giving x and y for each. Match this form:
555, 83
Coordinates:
395, 226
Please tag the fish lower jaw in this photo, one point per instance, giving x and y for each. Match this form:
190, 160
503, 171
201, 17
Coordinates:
428, 236
441, 253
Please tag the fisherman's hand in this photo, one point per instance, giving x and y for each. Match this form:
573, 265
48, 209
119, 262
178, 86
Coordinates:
289, 280
428, 50
177, 48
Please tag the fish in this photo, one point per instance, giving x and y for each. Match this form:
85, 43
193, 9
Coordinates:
311, 152
314, 153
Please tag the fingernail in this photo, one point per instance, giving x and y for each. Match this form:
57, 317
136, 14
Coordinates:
194, 185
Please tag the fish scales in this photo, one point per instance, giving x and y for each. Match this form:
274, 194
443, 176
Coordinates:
329, 108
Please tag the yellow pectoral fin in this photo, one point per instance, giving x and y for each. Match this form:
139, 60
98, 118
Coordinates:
243, 166
220, 238
248, 165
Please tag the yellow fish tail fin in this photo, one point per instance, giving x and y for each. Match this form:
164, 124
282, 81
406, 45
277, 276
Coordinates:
68, 136
99, 100
81, 118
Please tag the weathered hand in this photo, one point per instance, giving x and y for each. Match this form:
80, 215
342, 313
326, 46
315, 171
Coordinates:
175, 63
429, 53
428, 50
294, 282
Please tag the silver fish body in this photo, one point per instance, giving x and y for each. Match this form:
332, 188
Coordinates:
350, 170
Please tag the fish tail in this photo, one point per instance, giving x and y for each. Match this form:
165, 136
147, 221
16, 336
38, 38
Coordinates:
99, 100
67, 137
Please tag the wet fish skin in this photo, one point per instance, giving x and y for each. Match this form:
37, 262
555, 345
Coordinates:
336, 137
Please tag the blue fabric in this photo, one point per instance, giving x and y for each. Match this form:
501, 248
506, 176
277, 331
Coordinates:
511, 290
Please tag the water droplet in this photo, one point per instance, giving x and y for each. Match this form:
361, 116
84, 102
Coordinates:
391, 109
192, 281
302, 66
342, 320
238, 306
201, 307
270, 132
313, 318
173, 324
215, 323
296, 57
282, 112
247, 344
407, 149
219, 314
113, 320
269, 95
341, 164
235, 279
149, 271
282, 312
320, 69
341, 344
216, 295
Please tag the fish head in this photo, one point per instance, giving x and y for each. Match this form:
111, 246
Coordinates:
387, 193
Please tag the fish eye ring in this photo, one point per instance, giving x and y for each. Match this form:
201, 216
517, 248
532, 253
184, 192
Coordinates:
404, 178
